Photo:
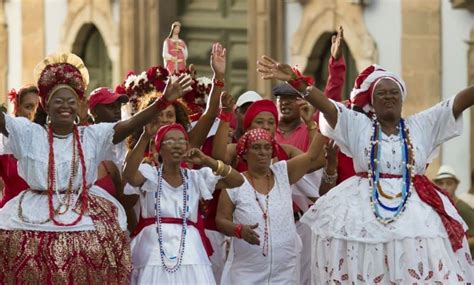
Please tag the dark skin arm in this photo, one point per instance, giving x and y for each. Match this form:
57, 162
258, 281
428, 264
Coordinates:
463, 100
331, 166
221, 149
123, 129
198, 135
224, 221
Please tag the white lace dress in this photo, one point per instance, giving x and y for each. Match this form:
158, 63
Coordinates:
28, 142
351, 247
146, 260
246, 263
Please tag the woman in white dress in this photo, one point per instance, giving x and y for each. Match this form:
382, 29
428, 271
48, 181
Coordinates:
388, 224
170, 246
64, 229
258, 215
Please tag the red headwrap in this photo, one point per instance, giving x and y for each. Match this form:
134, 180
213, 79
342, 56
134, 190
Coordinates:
361, 94
252, 136
257, 107
160, 134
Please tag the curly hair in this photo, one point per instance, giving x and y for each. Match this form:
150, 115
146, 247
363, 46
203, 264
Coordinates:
181, 112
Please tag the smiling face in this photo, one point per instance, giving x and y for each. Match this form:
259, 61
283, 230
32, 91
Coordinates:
259, 154
173, 146
62, 107
387, 100
264, 120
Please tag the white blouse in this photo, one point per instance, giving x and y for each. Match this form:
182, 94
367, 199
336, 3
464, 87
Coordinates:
28, 142
145, 246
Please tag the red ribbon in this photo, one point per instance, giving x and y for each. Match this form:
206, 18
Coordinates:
427, 191
144, 222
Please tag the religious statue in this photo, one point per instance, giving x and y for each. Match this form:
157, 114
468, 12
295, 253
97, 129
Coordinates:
175, 51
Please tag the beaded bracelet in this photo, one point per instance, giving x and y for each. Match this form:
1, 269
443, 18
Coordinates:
238, 231
218, 83
329, 179
225, 116
162, 103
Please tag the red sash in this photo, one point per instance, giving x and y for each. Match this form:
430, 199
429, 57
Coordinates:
144, 222
426, 190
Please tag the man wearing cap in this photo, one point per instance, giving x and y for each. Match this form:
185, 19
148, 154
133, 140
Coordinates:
243, 102
447, 180
105, 105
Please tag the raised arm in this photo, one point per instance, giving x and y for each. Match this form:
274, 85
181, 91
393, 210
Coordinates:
463, 100
130, 174
221, 149
336, 68
301, 164
198, 135
272, 69
173, 91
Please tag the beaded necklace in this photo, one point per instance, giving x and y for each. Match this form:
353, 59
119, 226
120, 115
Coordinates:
184, 216
264, 211
52, 179
374, 173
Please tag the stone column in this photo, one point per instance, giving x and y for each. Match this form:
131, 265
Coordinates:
3, 54
470, 81
421, 57
265, 37
32, 37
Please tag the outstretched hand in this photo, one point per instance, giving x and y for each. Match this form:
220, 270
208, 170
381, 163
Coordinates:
218, 60
336, 43
272, 69
176, 88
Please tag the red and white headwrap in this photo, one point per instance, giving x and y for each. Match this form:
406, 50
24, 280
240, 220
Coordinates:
361, 94
252, 136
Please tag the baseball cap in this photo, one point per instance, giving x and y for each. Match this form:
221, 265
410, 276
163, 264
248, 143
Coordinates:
446, 171
284, 89
104, 95
247, 97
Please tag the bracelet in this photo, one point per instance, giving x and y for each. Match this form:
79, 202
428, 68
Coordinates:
218, 83
228, 171
307, 91
220, 166
225, 116
297, 79
238, 231
313, 126
162, 103
329, 179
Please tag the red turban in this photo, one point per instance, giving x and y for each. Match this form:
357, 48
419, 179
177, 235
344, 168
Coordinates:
160, 134
252, 136
361, 94
257, 107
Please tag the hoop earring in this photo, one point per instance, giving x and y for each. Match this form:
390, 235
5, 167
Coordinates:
77, 120
48, 120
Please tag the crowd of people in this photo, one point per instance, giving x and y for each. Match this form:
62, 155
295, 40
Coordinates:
194, 187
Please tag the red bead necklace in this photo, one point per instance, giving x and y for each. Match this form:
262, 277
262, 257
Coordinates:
264, 211
52, 177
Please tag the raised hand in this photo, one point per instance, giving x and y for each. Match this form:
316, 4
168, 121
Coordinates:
227, 102
272, 69
218, 58
249, 235
152, 127
331, 149
336, 43
306, 111
195, 156
176, 88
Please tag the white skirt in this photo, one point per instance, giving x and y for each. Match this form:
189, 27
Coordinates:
187, 274
350, 247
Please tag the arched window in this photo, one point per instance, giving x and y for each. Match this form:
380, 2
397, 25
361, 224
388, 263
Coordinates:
91, 48
318, 65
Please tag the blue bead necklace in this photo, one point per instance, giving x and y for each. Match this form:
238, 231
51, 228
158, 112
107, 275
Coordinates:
374, 173
179, 258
